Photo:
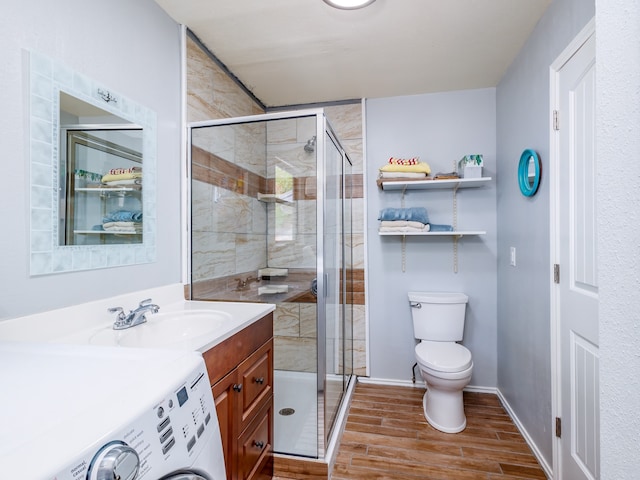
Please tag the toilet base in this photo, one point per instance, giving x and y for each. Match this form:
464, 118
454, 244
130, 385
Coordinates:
444, 410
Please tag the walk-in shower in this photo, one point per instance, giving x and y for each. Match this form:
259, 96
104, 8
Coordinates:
271, 222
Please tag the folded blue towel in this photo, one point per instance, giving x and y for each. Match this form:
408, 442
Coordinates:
440, 228
412, 214
123, 216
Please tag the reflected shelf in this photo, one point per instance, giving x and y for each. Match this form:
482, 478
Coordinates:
103, 232
273, 198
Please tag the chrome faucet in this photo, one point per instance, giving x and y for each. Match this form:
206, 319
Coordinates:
134, 317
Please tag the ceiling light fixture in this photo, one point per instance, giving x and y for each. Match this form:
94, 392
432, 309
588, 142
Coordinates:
349, 4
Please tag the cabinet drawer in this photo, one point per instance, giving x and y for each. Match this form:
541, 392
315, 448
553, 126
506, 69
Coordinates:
255, 375
226, 356
255, 446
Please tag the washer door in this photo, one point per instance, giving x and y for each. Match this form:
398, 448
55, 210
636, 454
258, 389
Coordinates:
184, 476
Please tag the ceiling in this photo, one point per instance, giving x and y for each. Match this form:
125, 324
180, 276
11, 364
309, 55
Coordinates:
292, 52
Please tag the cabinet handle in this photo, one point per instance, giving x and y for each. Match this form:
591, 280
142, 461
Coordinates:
259, 380
258, 443
237, 387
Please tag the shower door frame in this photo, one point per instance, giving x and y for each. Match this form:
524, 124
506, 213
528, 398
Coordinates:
322, 126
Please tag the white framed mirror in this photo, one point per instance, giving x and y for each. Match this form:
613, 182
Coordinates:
92, 173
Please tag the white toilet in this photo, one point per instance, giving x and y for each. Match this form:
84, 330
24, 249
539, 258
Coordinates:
446, 366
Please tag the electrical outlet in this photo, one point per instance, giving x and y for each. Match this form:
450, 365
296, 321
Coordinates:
512, 256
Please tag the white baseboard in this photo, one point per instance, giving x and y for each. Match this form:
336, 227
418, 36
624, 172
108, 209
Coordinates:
479, 389
548, 471
391, 382
419, 384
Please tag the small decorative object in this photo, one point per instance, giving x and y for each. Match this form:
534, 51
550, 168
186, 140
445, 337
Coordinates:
529, 172
470, 166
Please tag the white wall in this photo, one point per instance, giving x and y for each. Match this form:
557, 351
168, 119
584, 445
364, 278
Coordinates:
132, 47
440, 129
618, 150
524, 356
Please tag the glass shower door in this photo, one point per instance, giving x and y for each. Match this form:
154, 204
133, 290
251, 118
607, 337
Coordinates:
335, 257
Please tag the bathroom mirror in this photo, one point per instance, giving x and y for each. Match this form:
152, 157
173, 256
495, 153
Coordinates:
529, 172
92, 176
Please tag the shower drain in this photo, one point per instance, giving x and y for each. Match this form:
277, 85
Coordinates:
287, 411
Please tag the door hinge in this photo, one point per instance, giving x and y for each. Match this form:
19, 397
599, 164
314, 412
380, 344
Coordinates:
556, 121
558, 427
556, 273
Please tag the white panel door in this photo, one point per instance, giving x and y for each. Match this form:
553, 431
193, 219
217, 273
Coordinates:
578, 286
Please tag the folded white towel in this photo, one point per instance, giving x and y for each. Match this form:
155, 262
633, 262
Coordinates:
406, 228
403, 223
121, 224
403, 175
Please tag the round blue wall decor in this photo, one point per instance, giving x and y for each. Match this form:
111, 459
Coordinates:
529, 172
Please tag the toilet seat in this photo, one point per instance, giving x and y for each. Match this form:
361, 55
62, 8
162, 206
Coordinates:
447, 357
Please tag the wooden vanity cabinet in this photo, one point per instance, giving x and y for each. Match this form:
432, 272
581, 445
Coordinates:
241, 376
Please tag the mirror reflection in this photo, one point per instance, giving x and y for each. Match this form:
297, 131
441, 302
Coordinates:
92, 173
531, 171
101, 176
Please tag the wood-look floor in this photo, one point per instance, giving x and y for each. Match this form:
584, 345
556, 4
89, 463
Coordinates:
388, 438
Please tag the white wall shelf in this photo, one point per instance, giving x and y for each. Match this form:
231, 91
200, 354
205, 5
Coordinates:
457, 233
451, 184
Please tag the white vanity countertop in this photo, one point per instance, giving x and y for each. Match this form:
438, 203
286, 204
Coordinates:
82, 324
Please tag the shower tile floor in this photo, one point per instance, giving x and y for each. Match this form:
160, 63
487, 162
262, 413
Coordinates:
297, 433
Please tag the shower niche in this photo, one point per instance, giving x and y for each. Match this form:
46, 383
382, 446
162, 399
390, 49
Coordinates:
271, 222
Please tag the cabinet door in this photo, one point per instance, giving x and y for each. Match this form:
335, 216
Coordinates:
255, 446
224, 396
255, 375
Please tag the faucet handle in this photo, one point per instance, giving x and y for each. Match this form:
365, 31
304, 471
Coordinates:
117, 310
145, 302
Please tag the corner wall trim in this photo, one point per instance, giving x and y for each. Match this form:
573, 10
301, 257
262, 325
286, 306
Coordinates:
527, 438
226, 70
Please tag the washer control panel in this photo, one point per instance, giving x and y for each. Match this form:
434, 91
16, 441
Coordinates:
165, 438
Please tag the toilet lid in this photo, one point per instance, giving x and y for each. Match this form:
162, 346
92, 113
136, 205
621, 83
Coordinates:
443, 356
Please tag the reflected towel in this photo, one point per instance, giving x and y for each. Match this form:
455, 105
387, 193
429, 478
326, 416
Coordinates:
121, 176
122, 216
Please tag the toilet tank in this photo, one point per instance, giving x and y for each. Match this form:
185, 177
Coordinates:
438, 316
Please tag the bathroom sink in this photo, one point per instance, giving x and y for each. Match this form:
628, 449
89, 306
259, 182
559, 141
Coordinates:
165, 329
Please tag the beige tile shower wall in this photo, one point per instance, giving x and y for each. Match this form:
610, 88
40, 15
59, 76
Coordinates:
294, 329
211, 94
228, 227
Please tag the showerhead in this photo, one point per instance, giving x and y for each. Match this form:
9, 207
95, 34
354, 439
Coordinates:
311, 145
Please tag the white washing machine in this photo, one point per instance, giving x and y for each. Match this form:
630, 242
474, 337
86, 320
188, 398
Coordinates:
101, 413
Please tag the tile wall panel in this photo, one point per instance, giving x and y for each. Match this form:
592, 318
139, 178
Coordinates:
229, 221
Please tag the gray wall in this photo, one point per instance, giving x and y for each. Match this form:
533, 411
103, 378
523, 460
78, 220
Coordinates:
440, 129
524, 355
618, 150
132, 48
